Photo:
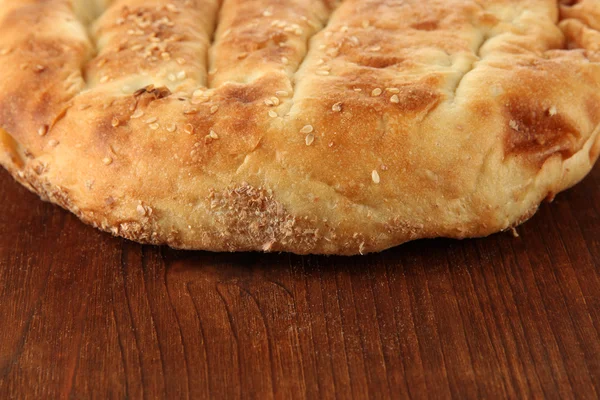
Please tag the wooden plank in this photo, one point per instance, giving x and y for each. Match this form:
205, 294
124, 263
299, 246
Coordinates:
84, 314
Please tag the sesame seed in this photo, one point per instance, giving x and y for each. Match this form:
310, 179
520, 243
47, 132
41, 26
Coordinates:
171, 128
115, 122
140, 209
189, 129
180, 61
269, 102
137, 114
285, 60
213, 135
107, 160
395, 99
309, 139
513, 124
375, 176
172, 77
376, 92
154, 126
198, 93
374, 48
552, 111
104, 79
357, 89
393, 90
275, 100
43, 130
151, 120
337, 107
281, 93
322, 72
267, 13
307, 129
214, 109
189, 111
272, 114
52, 143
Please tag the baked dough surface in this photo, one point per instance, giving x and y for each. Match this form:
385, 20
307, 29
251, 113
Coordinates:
308, 126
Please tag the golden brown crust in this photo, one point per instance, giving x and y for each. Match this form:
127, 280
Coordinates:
309, 126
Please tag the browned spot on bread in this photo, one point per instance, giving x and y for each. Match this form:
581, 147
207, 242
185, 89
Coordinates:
375, 61
243, 93
418, 98
428, 25
487, 19
534, 133
104, 133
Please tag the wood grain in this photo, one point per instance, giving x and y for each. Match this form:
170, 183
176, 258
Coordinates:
85, 315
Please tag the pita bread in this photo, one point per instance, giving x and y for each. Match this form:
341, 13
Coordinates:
308, 126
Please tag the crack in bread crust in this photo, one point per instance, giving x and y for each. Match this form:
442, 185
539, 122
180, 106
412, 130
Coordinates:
311, 126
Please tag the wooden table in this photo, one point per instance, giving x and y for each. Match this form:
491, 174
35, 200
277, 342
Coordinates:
84, 314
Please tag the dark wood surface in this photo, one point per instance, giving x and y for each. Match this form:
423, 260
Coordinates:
87, 315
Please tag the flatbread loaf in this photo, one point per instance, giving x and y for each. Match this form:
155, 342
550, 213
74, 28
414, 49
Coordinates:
307, 126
